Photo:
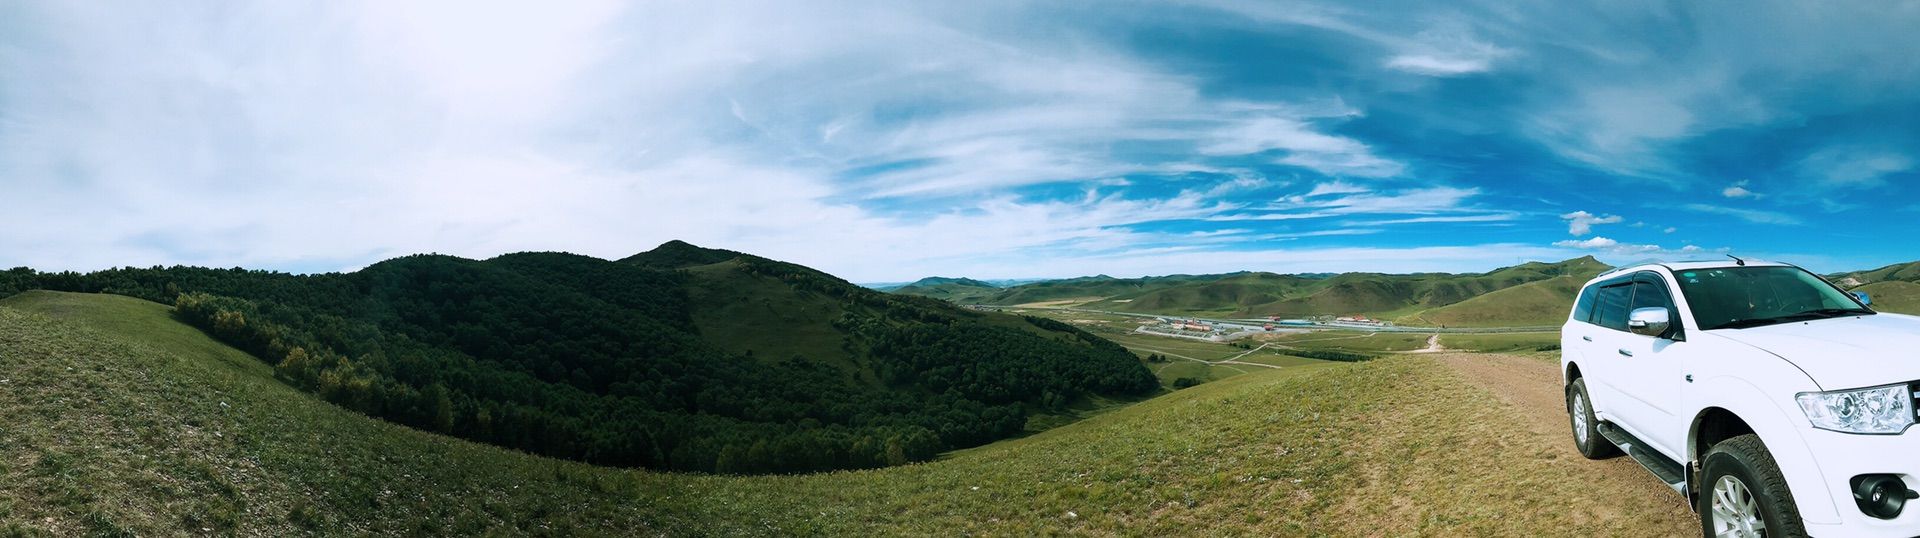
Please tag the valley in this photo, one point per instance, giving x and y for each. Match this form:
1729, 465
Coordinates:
177, 433
128, 416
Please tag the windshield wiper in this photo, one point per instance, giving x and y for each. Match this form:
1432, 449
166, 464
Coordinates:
1833, 312
1818, 313
1750, 322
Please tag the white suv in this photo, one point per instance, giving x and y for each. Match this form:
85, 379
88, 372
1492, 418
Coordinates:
1775, 401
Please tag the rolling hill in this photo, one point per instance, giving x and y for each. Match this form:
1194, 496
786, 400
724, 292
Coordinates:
957, 290
1894, 288
678, 358
1254, 294
1894, 296
1899, 272
121, 420
1533, 304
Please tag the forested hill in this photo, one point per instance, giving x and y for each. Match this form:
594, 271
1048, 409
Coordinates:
680, 358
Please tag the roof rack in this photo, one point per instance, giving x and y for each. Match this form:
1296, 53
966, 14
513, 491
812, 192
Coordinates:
1624, 266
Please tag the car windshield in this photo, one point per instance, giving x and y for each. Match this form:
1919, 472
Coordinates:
1740, 297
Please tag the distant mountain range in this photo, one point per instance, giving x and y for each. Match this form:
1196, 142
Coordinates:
1529, 294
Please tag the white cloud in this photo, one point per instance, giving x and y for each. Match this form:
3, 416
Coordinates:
1854, 167
1738, 190
1303, 145
1449, 50
1488, 217
1610, 246
1590, 243
1756, 216
1336, 187
1581, 222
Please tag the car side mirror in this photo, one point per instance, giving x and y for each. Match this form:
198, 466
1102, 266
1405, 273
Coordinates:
1649, 321
1863, 297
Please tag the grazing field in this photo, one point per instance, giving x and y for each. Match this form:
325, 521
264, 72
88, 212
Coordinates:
121, 421
1500, 343
1353, 341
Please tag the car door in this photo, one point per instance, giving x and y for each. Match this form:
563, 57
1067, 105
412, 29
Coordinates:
1577, 333
1599, 340
1651, 369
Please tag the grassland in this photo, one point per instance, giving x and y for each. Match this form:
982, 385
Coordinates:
120, 421
1499, 343
1352, 341
1894, 296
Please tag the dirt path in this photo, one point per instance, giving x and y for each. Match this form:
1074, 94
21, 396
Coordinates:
1532, 387
1433, 345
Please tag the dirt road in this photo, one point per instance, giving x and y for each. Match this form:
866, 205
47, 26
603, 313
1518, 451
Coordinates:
1531, 386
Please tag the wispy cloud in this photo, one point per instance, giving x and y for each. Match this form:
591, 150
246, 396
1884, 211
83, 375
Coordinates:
1854, 167
1757, 216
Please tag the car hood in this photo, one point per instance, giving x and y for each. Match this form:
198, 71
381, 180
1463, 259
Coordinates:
1843, 353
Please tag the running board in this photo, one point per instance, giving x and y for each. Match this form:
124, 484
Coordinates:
1665, 469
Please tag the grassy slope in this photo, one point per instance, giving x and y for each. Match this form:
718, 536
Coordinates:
121, 419
1895, 296
125, 441
1539, 303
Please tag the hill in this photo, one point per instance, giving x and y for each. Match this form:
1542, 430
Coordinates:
1899, 272
743, 365
122, 420
1534, 304
957, 290
677, 254
1894, 296
1256, 294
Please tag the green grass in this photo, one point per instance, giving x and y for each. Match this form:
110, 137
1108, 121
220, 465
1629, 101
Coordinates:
1499, 343
1894, 296
1355, 341
1534, 304
119, 420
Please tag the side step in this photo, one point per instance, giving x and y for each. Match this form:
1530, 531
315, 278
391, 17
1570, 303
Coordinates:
1665, 469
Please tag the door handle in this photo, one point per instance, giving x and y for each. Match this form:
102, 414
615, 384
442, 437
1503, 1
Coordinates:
1627, 353
1587, 338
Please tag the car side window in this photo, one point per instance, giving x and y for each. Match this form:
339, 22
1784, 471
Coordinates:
1610, 309
1583, 308
1650, 294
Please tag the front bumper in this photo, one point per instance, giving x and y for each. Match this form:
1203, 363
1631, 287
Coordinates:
1840, 457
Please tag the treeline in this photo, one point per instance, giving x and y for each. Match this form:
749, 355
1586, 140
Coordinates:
585, 359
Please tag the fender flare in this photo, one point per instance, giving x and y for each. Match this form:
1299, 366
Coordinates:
1779, 430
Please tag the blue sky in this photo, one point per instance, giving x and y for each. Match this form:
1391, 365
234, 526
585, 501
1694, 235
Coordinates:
883, 141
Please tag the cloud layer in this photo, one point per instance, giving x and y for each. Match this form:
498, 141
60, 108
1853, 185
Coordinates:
886, 141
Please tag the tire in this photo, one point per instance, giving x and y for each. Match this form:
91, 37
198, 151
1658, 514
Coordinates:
1586, 427
1744, 461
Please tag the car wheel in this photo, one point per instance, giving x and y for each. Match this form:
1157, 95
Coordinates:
1743, 494
1586, 428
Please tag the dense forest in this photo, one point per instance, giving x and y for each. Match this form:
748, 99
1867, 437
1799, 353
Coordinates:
600, 361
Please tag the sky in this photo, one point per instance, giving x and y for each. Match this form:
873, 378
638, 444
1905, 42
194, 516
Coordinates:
887, 141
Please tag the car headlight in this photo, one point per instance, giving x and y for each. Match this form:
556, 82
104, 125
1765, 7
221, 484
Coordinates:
1881, 410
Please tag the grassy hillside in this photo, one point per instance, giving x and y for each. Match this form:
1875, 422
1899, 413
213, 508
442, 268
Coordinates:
123, 421
1902, 272
1538, 303
668, 360
1894, 296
